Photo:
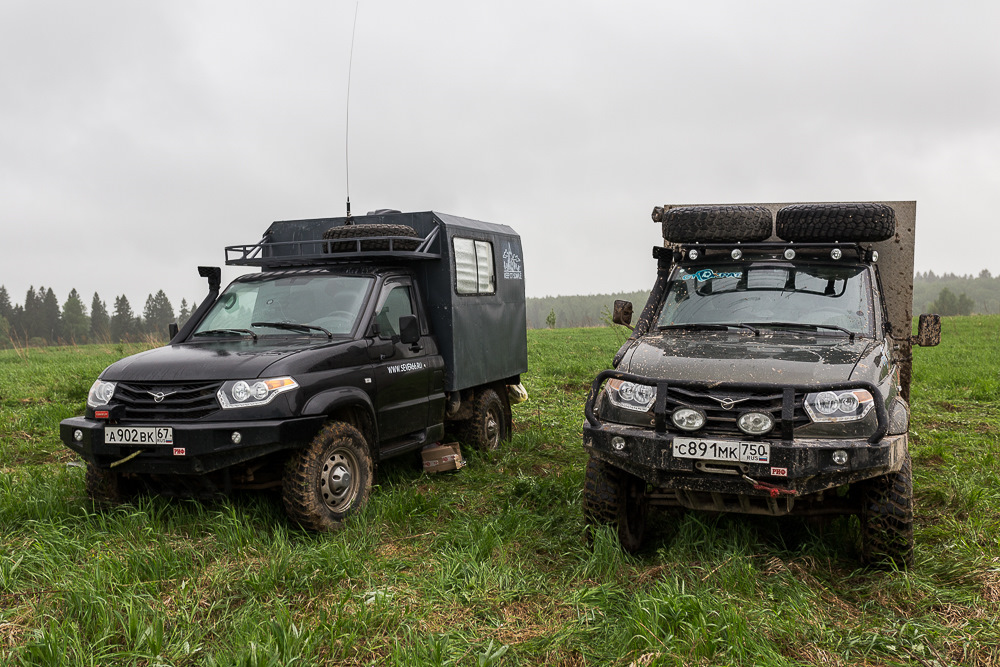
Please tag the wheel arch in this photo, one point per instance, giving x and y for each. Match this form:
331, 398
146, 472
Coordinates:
350, 405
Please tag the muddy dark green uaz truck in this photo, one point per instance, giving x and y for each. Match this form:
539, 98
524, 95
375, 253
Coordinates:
767, 374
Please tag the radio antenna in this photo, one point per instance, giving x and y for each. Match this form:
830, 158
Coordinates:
347, 124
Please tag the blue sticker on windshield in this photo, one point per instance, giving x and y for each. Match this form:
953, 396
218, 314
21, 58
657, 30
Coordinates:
708, 274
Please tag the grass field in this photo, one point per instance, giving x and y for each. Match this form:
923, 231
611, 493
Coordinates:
487, 566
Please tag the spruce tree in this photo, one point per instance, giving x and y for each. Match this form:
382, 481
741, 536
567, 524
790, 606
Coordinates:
100, 325
75, 323
122, 321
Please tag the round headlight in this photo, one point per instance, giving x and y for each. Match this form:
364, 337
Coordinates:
755, 423
848, 402
688, 419
259, 391
241, 391
627, 391
644, 393
827, 402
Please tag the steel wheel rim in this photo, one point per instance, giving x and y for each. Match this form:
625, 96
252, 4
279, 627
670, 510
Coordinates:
492, 427
338, 481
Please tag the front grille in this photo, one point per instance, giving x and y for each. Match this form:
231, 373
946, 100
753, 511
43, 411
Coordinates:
178, 401
723, 420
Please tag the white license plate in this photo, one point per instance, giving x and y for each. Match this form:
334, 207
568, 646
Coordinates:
722, 450
138, 435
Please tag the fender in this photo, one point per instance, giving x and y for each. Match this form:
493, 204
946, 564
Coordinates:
330, 400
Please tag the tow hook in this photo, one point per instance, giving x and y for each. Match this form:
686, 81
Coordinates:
775, 491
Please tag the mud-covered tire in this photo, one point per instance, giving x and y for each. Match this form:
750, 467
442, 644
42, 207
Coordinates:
328, 480
373, 235
887, 518
615, 498
822, 223
106, 486
489, 424
716, 224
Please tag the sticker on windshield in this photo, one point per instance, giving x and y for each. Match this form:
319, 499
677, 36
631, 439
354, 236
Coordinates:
708, 274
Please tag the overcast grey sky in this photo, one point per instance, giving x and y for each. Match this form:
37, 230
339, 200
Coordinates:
137, 139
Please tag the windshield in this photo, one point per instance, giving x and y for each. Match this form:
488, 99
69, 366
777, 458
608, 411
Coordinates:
822, 295
324, 301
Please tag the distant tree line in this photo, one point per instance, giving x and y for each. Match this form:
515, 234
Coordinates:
949, 294
41, 321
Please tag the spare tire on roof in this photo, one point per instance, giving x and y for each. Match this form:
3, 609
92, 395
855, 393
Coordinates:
716, 224
836, 222
373, 236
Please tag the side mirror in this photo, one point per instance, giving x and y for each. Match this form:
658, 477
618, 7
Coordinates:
623, 313
928, 331
409, 329
172, 330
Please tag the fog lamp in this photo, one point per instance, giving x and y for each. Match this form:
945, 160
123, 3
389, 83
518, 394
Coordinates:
236, 437
618, 442
78, 435
789, 253
693, 254
840, 457
736, 253
688, 419
836, 253
874, 255
755, 423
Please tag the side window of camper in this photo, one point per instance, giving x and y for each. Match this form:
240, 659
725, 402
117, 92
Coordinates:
474, 271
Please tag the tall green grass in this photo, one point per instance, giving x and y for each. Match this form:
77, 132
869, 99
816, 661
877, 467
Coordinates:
488, 566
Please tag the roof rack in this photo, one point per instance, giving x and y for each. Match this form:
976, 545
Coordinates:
275, 254
677, 251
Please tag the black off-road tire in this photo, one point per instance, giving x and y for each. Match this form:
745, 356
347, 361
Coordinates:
315, 491
373, 234
106, 486
716, 224
615, 498
489, 424
823, 223
887, 518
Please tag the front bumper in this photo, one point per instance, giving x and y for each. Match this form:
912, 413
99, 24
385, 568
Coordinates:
197, 448
796, 468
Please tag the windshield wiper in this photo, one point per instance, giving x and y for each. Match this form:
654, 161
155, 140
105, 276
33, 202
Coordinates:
225, 332
811, 327
293, 326
711, 326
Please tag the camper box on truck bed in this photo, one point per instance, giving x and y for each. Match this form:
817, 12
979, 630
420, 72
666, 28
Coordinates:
468, 315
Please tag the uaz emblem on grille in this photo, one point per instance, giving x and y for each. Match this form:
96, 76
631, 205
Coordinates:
727, 403
158, 396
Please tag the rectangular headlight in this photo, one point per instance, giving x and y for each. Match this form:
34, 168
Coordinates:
845, 405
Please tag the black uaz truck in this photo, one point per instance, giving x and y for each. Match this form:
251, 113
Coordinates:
360, 339
768, 373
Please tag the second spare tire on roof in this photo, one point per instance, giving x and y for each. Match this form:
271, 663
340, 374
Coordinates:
374, 238
715, 224
836, 222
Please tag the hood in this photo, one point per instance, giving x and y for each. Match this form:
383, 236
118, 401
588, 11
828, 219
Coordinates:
221, 360
735, 357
